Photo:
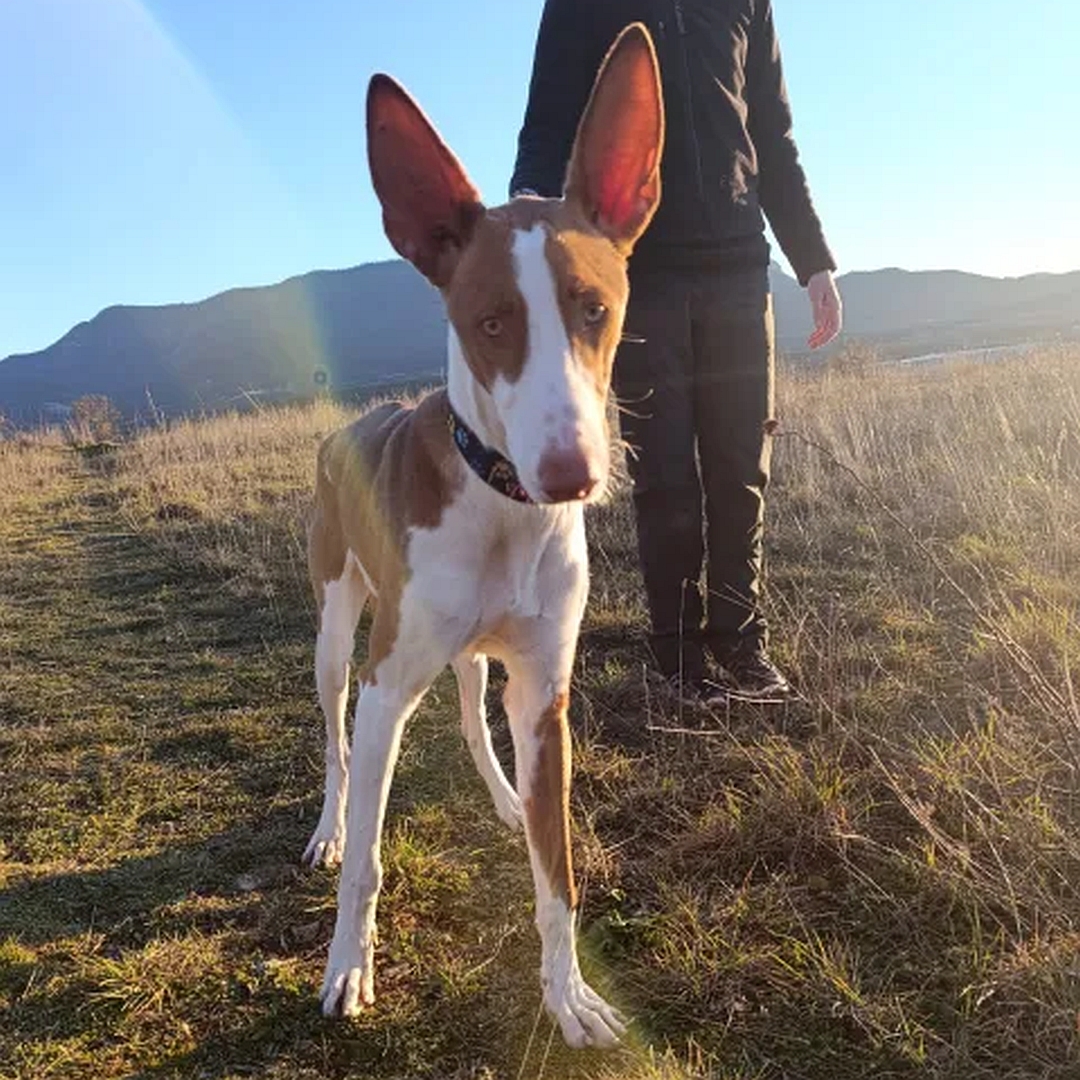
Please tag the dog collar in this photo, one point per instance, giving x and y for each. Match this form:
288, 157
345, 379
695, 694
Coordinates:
495, 470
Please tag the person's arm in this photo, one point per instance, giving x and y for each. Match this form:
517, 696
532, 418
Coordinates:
782, 187
567, 58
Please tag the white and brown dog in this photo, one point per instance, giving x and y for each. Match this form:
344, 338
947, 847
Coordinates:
463, 517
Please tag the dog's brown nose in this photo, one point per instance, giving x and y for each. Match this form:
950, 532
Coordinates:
565, 476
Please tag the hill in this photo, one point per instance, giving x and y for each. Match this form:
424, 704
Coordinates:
369, 324
903, 312
381, 323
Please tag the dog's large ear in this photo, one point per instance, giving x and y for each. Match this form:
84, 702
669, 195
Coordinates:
614, 172
429, 204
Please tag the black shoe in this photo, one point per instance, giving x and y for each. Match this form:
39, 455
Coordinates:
697, 692
678, 655
753, 676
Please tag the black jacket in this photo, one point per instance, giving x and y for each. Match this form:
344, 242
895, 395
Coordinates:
729, 152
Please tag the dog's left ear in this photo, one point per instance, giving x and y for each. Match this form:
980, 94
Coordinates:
429, 203
614, 172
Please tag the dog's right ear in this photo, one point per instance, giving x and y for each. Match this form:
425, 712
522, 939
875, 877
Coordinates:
429, 204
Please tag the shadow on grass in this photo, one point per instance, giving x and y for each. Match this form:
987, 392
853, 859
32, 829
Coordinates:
120, 902
442, 1036
440, 1011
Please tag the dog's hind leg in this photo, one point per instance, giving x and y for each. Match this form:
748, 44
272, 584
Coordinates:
342, 602
471, 671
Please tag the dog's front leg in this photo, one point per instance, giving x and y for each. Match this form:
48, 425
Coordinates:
537, 697
381, 713
424, 643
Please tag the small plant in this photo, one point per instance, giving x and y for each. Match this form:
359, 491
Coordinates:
94, 422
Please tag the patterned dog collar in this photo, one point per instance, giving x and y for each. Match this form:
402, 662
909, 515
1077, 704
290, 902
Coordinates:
495, 470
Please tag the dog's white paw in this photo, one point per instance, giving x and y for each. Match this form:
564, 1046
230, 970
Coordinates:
583, 1016
508, 807
349, 982
326, 846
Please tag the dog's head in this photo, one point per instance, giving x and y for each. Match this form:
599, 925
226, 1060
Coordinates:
536, 289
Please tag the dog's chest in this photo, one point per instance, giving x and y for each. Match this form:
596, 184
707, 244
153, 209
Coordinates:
511, 563
516, 576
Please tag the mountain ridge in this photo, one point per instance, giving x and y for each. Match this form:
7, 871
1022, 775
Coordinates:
379, 323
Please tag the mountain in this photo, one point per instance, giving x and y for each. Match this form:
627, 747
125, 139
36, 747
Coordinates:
371, 324
381, 323
902, 312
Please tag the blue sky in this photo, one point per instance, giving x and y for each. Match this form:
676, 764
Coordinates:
154, 151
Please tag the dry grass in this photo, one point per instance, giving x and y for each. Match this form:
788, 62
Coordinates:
881, 879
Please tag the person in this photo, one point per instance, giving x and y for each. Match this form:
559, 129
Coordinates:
694, 376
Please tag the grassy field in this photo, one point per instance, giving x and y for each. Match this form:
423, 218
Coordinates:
881, 879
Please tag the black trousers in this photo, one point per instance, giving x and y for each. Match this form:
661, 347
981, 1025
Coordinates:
696, 393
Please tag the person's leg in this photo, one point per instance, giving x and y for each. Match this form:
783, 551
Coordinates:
733, 335
654, 387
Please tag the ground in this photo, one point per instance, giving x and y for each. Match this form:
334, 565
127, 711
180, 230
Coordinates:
880, 879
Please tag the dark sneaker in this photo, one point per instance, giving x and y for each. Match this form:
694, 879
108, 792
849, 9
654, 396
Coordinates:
698, 692
753, 676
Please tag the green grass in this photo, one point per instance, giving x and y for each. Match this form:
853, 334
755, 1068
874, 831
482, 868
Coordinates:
880, 879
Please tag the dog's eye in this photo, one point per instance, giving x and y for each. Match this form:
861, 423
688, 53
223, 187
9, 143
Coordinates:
594, 312
492, 326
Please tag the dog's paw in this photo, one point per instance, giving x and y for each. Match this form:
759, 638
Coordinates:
349, 982
508, 807
326, 846
583, 1016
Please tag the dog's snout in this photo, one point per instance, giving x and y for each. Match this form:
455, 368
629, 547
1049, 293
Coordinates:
566, 476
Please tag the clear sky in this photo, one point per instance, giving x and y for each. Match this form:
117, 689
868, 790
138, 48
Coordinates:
154, 151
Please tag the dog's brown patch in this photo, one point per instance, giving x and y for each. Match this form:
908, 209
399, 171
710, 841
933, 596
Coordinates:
393, 469
485, 304
547, 807
489, 313
590, 274
588, 270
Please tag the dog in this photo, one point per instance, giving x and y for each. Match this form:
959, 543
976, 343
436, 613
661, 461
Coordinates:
462, 517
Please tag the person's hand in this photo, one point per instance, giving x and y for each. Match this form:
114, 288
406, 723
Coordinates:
827, 308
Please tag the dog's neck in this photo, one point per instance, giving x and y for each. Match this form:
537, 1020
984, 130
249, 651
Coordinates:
470, 400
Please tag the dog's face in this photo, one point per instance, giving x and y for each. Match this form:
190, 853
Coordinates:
536, 289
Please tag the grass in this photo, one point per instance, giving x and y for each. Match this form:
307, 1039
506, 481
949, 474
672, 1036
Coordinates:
881, 879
